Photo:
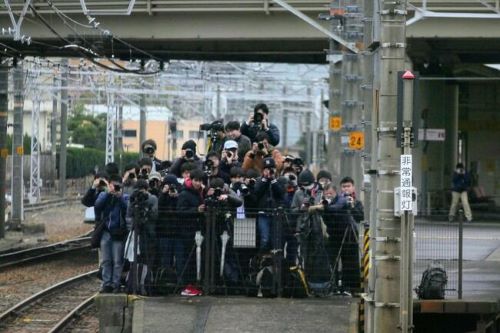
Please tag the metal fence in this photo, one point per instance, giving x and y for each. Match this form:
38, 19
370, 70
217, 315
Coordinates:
272, 253
438, 242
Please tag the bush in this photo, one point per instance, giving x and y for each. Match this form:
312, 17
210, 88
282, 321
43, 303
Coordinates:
84, 161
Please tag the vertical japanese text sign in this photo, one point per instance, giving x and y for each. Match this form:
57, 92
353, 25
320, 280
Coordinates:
406, 185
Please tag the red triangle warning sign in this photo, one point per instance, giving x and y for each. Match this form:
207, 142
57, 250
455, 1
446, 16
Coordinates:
408, 75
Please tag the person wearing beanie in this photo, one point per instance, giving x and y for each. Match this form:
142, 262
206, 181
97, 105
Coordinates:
324, 178
270, 195
188, 154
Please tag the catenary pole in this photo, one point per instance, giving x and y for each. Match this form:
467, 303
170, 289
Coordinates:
4, 104
53, 133
142, 121
18, 148
64, 128
390, 58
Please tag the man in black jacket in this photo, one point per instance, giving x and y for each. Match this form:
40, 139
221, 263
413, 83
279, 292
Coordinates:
99, 185
270, 195
190, 209
169, 227
343, 213
259, 121
188, 154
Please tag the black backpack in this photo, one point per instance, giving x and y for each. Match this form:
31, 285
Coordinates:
433, 283
165, 281
261, 276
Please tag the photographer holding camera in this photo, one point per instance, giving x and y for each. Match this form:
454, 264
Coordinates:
99, 184
188, 154
169, 227
230, 158
259, 121
130, 177
216, 135
212, 169
154, 180
254, 159
145, 167
461, 184
148, 148
111, 209
270, 195
243, 142
343, 213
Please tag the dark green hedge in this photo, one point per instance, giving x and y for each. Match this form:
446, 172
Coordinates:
81, 162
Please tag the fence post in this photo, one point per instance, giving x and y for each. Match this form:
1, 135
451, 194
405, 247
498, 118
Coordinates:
460, 250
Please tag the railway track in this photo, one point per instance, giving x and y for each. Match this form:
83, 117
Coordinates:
29, 255
52, 309
49, 204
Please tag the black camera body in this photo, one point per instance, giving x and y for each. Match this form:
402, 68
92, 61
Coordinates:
189, 153
261, 146
257, 118
208, 167
239, 186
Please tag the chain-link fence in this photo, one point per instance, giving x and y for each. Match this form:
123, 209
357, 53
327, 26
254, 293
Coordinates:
270, 253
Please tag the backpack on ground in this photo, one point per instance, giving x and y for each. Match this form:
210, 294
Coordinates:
261, 276
164, 281
433, 283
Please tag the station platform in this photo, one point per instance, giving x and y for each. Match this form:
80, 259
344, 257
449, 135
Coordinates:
243, 314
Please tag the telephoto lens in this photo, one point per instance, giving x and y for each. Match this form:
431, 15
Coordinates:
189, 153
261, 146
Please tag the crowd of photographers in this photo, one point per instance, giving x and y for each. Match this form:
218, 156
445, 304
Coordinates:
154, 214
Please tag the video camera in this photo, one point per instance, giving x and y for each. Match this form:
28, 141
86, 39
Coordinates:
213, 128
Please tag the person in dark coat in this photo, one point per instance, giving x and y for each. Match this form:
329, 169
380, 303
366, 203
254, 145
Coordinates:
188, 154
259, 121
461, 184
270, 195
190, 209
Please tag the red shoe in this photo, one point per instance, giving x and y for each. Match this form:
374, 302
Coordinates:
191, 290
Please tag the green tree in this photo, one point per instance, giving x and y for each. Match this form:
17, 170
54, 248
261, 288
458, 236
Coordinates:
26, 144
87, 129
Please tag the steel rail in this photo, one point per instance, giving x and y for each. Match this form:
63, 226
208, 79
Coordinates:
12, 311
82, 307
23, 256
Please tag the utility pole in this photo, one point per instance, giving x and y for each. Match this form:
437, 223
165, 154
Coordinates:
18, 150
4, 150
53, 133
119, 134
334, 104
142, 122
390, 58
370, 187
64, 128
352, 106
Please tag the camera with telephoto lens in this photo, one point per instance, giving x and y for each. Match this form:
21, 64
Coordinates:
143, 174
213, 199
148, 149
172, 190
239, 186
208, 166
229, 154
189, 153
257, 118
102, 183
138, 198
117, 187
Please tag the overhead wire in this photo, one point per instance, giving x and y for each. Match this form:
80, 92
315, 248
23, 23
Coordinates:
83, 51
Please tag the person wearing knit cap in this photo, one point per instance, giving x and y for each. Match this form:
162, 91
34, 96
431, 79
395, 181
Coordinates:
324, 178
188, 154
